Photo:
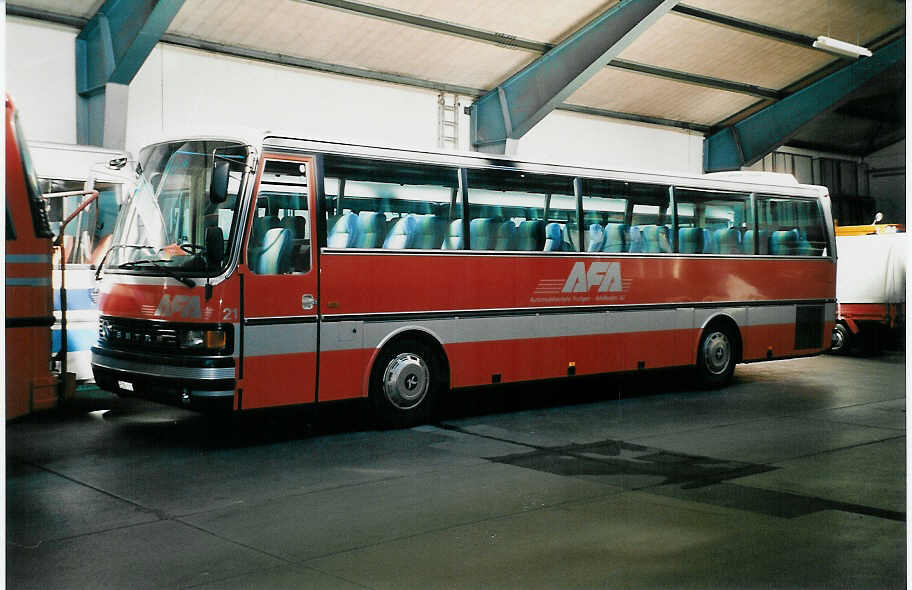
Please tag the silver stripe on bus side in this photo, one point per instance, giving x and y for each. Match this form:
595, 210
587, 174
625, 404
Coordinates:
160, 370
28, 282
280, 339
27, 258
352, 335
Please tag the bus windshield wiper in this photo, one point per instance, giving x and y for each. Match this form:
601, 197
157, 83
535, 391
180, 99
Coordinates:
117, 247
164, 270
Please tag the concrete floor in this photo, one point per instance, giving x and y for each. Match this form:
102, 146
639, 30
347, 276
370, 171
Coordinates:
793, 477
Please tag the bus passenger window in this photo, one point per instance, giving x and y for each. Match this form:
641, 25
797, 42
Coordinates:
88, 236
794, 227
626, 217
391, 206
518, 211
714, 222
280, 235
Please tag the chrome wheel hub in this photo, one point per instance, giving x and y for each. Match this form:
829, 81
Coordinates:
717, 353
838, 340
406, 380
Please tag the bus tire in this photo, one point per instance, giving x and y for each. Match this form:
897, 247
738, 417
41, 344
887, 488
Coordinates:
717, 355
406, 381
842, 339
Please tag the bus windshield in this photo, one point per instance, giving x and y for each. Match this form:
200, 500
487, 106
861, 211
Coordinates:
163, 228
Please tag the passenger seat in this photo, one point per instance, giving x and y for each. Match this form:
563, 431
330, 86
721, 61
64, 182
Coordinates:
530, 235
344, 232
505, 238
454, 239
615, 238
402, 235
371, 230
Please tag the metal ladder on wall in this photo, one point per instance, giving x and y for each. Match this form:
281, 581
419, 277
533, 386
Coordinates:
448, 121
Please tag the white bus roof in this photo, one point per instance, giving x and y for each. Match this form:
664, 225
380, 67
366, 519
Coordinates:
762, 180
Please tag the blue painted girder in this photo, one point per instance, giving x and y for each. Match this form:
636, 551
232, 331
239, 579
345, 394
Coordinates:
525, 98
749, 140
111, 48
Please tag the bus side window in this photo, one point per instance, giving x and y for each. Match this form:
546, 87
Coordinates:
280, 237
715, 222
389, 205
795, 226
626, 217
518, 211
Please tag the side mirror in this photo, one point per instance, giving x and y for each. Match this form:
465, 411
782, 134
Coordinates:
215, 246
218, 189
878, 218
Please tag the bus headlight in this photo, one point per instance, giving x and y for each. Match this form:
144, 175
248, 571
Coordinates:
199, 339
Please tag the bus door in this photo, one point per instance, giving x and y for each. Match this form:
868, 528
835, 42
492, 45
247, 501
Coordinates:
279, 290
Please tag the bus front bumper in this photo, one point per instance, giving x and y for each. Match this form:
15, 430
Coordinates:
204, 384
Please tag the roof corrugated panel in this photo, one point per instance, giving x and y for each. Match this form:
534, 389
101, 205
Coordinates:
629, 92
546, 21
681, 43
81, 8
324, 34
855, 21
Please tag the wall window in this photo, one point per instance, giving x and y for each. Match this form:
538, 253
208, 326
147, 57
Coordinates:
391, 205
513, 210
626, 216
714, 222
791, 227
280, 237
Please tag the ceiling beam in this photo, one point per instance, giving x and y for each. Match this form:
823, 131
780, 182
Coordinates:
110, 49
747, 141
433, 24
805, 41
505, 114
298, 62
698, 80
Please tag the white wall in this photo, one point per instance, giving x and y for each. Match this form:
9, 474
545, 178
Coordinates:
41, 78
180, 90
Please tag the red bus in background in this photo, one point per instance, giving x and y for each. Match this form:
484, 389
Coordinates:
30, 385
254, 274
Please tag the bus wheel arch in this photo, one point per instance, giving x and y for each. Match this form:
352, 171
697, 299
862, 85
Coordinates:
407, 376
719, 349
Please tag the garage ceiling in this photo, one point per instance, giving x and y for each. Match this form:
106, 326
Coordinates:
704, 65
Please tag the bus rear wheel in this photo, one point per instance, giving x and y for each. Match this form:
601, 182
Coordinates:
841, 339
716, 356
405, 383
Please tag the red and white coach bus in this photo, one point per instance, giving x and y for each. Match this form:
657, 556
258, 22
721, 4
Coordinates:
289, 271
30, 385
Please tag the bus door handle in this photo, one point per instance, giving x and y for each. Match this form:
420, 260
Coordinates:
308, 301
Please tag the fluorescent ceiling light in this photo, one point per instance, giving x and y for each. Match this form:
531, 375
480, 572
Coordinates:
841, 47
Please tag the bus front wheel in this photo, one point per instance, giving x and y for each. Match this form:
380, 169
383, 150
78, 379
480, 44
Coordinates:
405, 384
716, 356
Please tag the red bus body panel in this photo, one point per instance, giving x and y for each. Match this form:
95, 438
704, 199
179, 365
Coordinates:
30, 385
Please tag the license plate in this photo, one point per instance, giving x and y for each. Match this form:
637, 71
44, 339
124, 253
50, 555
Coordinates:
125, 385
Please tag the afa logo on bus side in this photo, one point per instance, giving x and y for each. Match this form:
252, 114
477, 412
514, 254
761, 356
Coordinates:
599, 281
604, 275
